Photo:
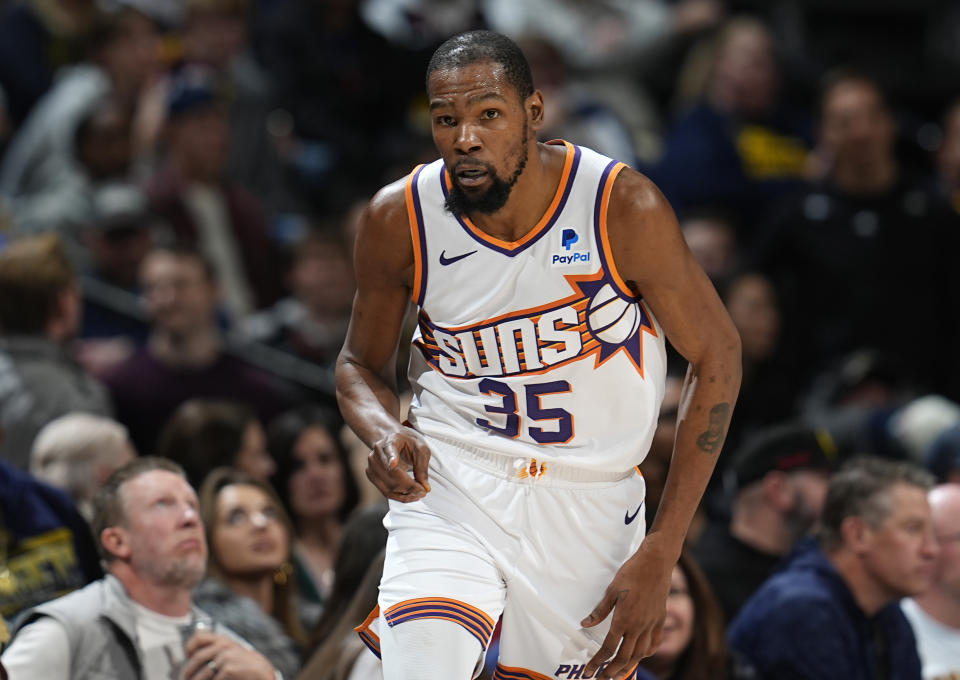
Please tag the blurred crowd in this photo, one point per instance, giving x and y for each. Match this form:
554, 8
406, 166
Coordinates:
180, 181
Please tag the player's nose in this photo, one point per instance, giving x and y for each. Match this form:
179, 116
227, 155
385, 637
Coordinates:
468, 141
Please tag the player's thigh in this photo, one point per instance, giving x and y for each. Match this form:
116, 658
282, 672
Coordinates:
586, 535
439, 570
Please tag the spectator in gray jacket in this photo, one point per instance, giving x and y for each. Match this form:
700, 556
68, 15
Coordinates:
39, 313
139, 621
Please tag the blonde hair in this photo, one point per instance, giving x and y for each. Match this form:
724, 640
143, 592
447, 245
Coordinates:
34, 271
68, 450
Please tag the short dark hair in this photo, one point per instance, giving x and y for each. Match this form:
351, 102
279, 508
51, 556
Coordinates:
203, 434
484, 46
108, 509
861, 489
34, 271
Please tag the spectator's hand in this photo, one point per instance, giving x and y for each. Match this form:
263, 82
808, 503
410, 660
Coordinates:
638, 598
210, 655
390, 462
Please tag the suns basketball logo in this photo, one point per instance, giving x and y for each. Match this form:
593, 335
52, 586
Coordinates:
610, 318
596, 320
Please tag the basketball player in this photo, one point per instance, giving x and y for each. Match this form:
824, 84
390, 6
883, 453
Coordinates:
547, 278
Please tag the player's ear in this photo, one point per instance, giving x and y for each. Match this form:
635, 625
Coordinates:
534, 107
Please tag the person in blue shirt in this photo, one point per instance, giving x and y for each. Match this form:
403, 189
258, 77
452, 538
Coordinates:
832, 613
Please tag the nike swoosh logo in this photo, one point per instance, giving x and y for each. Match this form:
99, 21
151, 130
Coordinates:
444, 260
628, 518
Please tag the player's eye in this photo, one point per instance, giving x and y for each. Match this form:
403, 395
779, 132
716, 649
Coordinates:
445, 121
491, 113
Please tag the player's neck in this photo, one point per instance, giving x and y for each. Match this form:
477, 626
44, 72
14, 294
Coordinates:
529, 198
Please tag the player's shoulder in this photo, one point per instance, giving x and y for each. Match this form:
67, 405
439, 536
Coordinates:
388, 206
634, 191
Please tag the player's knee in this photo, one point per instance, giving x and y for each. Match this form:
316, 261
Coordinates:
429, 649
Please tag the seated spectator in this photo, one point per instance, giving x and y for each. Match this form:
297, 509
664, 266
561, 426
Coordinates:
711, 237
832, 613
316, 484
117, 235
343, 654
248, 588
312, 323
215, 35
866, 218
935, 614
77, 453
770, 386
203, 434
129, 623
693, 645
364, 538
192, 194
49, 550
185, 356
123, 60
942, 458
36, 39
39, 314
780, 480
339, 653
737, 147
101, 151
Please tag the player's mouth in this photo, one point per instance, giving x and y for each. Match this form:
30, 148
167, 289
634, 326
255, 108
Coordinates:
472, 176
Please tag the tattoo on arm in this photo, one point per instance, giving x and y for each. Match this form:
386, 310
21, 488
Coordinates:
711, 440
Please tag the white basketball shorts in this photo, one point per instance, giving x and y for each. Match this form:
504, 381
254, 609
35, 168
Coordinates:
536, 543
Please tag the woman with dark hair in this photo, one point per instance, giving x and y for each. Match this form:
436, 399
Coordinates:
317, 485
203, 434
339, 653
249, 586
694, 639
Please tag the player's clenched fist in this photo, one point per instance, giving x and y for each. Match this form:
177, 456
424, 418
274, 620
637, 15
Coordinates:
392, 462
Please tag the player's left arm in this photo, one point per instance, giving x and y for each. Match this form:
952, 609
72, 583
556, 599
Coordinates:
652, 257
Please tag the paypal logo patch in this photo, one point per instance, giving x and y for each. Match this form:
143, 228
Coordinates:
568, 256
572, 258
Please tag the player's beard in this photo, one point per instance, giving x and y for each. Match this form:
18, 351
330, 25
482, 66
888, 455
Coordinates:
495, 197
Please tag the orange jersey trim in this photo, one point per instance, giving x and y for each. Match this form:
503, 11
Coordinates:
415, 229
604, 236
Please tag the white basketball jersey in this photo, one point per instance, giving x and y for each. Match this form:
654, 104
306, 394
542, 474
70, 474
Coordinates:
535, 348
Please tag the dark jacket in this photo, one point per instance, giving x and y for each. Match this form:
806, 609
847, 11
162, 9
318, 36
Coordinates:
46, 543
804, 624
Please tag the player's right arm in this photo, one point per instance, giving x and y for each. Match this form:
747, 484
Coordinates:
366, 367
